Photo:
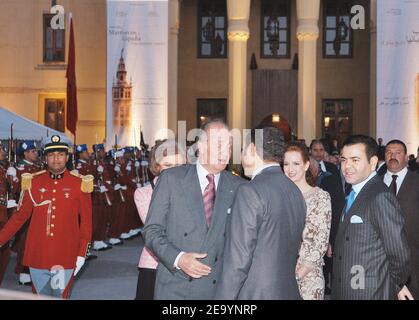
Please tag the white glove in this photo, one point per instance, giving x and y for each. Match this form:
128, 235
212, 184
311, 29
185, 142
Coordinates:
76, 171
124, 187
128, 168
11, 204
100, 169
137, 164
117, 168
103, 189
79, 263
138, 185
144, 163
117, 187
11, 172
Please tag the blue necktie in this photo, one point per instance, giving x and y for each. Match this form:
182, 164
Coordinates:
350, 198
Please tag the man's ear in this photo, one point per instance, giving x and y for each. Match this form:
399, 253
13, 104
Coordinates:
374, 161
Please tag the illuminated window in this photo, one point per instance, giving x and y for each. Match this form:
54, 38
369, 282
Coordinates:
55, 114
275, 28
212, 29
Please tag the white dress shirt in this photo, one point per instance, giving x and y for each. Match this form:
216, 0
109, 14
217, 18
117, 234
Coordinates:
358, 187
203, 182
400, 177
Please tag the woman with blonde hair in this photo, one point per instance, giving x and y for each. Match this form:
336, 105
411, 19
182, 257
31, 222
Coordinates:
164, 155
315, 238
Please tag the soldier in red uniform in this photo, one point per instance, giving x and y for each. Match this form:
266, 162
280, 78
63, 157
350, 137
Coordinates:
59, 205
102, 198
28, 164
5, 250
85, 167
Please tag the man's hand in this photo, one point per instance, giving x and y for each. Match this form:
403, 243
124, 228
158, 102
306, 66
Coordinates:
405, 294
189, 264
79, 263
329, 252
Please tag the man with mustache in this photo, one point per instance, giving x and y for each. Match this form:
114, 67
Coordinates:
405, 185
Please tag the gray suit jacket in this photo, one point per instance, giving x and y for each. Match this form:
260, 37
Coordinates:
408, 197
176, 222
371, 260
263, 238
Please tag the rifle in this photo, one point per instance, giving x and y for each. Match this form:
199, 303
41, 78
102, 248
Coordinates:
100, 178
137, 176
118, 173
12, 163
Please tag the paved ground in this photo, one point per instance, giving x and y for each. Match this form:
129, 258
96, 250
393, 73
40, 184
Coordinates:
112, 276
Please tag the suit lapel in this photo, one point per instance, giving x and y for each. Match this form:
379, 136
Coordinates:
405, 185
356, 207
193, 198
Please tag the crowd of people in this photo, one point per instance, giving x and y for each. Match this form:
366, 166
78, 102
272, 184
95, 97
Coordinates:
299, 222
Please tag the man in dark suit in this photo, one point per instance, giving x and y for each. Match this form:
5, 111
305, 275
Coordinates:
329, 179
371, 256
265, 231
405, 185
186, 220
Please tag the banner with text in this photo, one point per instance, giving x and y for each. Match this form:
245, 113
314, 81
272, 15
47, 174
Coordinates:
137, 71
398, 71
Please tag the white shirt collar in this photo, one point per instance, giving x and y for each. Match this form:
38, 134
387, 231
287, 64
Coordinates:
82, 161
28, 162
358, 187
261, 168
323, 166
202, 176
400, 177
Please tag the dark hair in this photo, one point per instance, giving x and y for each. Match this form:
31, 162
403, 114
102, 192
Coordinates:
302, 149
316, 141
371, 146
273, 143
395, 141
381, 153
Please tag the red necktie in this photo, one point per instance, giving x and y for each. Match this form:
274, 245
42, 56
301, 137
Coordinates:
208, 198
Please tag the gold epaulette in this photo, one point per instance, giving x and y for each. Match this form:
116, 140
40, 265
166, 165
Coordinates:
26, 183
86, 181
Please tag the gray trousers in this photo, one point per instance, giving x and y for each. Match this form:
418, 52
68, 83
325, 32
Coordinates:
54, 283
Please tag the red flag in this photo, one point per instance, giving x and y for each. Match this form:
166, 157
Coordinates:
71, 85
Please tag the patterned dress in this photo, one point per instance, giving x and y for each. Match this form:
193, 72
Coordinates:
315, 243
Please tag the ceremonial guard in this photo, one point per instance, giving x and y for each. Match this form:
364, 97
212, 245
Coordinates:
59, 205
29, 164
102, 198
7, 176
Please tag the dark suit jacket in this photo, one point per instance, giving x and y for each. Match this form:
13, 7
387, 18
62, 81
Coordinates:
373, 253
263, 238
408, 197
176, 222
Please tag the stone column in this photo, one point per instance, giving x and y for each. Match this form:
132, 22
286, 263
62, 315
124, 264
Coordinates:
307, 35
373, 69
173, 65
238, 34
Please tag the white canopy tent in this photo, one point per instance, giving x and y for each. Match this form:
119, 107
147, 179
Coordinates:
24, 129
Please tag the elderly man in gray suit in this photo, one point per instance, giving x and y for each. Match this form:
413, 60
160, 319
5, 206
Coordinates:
186, 220
371, 259
265, 231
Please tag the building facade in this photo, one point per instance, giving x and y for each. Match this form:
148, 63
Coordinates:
239, 60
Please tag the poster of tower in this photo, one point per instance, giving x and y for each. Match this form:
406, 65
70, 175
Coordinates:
121, 97
137, 71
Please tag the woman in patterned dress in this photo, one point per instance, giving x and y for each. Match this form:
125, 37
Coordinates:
315, 238
164, 155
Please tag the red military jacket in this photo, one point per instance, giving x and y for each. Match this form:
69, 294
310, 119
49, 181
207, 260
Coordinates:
55, 235
26, 167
